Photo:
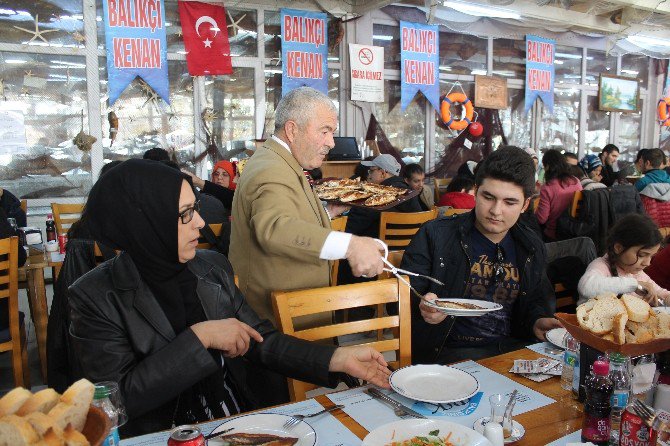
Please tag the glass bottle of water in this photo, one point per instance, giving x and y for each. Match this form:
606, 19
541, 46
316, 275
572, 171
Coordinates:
621, 379
570, 357
108, 398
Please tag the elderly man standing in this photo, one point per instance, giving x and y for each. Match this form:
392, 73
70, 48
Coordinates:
281, 237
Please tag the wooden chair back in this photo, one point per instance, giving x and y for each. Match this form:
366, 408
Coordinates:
665, 232
440, 185
216, 229
337, 224
24, 206
396, 229
65, 214
576, 204
452, 211
15, 341
289, 305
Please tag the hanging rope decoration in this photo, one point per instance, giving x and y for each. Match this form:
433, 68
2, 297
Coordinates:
664, 112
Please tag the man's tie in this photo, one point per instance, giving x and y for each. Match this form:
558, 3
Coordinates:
310, 180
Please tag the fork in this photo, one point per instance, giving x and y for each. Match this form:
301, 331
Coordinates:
295, 419
648, 414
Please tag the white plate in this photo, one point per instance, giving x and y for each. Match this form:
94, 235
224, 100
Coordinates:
267, 423
557, 337
662, 309
407, 429
435, 384
487, 307
518, 430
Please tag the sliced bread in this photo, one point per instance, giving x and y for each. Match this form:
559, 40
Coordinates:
638, 309
15, 431
584, 313
600, 318
639, 332
51, 438
13, 401
42, 401
74, 404
43, 423
662, 325
619, 328
73, 437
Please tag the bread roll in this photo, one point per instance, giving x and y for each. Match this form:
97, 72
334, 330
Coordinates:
13, 401
42, 401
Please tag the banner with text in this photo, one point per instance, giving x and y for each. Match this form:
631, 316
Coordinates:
540, 71
367, 72
304, 50
136, 45
419, 63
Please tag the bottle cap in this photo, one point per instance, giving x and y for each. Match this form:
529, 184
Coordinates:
601, 368
50, 216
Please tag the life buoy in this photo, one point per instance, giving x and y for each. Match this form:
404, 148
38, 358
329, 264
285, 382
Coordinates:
448, 120
664, 111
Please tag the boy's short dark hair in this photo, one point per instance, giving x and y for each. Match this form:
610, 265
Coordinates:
654, 156
571, 155
156, 154
459, 183
411, 169
511, 164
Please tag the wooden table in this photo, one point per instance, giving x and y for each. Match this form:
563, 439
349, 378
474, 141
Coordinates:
37, 299
542, 425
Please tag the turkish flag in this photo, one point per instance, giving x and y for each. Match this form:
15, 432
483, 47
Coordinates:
206, 38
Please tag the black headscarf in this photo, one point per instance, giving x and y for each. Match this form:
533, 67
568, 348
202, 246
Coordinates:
134, 207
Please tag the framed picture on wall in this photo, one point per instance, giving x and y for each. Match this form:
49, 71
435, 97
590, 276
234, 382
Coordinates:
618, 93
490, 92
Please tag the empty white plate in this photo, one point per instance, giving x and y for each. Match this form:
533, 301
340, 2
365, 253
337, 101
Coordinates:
399, 431
557, 336
435, 384
267, 423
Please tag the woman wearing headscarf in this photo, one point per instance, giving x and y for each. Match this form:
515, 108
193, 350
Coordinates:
169, 324
223, 174
222, 184
592, 167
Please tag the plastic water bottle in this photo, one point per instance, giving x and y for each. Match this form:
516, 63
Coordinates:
108, 399
597, 407
620, 376
570, 357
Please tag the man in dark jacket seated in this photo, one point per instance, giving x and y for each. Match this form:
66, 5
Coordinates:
486, 255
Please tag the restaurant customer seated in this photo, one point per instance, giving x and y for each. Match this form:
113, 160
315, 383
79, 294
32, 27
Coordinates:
460, 193
168, 323
483, 255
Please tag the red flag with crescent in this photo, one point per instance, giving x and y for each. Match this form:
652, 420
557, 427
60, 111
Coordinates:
205, 38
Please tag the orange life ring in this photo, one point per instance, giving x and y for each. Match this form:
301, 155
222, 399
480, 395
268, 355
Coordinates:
664, 111
448, 120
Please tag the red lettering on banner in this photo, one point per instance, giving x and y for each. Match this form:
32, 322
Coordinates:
539, 80
419, 72
135, 13
419, 40
363, 74
540, 52
304, 30
304, 65
113, 15
136, 53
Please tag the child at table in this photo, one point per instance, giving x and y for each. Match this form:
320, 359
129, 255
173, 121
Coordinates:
631, 244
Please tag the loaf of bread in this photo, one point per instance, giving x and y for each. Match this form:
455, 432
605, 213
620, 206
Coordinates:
45, 418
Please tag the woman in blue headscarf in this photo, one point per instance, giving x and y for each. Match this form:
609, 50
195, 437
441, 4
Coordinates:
592, 167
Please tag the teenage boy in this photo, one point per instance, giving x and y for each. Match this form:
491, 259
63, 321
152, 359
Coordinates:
486, 255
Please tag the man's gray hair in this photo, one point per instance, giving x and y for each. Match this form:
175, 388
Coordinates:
300, 105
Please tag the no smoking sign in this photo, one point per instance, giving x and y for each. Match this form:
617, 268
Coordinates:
365, 56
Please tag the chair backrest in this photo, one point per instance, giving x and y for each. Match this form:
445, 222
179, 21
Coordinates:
337, 224
65, 214
24, 206
448, 212
665, 232
216, 229
9, 253
289, 305
576, 203
395, 259
440, 185
396, 229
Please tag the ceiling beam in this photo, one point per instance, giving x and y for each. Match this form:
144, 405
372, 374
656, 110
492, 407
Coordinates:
361, 7
647, 5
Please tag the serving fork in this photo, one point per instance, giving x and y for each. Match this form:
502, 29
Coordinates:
295, 419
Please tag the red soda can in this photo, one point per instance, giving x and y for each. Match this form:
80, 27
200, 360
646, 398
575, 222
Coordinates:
633, 431
62, 243
186, 435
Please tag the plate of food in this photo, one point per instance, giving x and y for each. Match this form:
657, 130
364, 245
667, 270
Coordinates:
363, 194
423, 431
557, 337
261, 429
463, 307
433, 383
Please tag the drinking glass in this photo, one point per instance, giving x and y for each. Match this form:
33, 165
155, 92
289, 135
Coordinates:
501, 413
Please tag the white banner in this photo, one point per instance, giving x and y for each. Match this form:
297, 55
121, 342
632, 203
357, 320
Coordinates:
367, 72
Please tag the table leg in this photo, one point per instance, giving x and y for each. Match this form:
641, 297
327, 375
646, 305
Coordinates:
37, 298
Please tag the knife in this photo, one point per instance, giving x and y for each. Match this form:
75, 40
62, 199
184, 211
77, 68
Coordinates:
390, 401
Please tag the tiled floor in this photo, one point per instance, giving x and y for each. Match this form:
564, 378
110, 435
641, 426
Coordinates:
6, 375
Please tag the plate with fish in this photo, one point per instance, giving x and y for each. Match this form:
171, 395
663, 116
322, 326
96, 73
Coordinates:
463, 307
263, 429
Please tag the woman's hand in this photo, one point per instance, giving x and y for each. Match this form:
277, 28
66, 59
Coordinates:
197, 181
431, 315
361, 362
231, 336
649, 293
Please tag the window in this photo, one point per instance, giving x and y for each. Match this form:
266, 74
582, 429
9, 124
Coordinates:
597, 126
567, 65
516, 123
388, 37
60, 23
637, 66
509, 58
598, 62
560, 129
462, 54
628, 138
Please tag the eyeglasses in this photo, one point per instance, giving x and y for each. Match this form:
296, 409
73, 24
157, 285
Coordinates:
498, 268
187, 215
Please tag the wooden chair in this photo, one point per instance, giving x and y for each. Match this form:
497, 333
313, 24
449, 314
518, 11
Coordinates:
576, 204
440, 185
451, 211
337, 224
665, 232
24, 206
396, 229
13, 338
216, 229
292, 304
65, 214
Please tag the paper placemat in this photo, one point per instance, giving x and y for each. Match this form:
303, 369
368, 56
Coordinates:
371, 413
329, 431
540, 348
575, 437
